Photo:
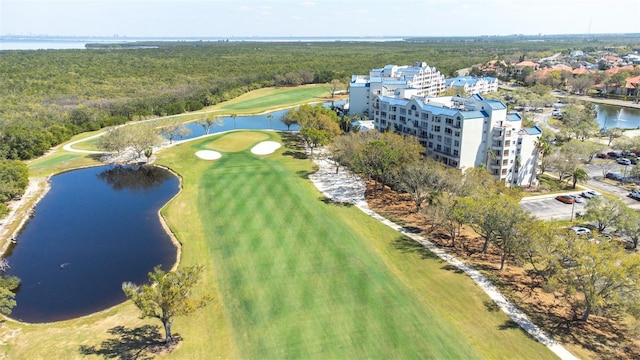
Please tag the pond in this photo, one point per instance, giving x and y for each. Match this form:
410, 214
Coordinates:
94, 229
248, 122
610, 116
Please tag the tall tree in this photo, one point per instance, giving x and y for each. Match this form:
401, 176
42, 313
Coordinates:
288, 121
604, 276
628, 224
8, 284
168, 294
207, 122
173, 130
422, 180
604, 212
270, 118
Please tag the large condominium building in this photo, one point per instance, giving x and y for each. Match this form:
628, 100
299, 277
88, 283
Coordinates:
464, 133
472, 85
393, 80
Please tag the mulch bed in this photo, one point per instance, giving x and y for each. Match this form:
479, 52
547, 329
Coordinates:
603, 338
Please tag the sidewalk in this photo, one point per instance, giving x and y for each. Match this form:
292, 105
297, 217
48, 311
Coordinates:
346, 187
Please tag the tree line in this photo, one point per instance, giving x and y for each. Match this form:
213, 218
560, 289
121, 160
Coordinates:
595, 275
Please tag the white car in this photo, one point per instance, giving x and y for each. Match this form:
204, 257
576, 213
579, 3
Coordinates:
590, 194
623, 161
577, 198
579, 230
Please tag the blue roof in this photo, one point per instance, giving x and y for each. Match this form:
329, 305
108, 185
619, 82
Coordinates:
514, 117
533, 130
496, 104
477, 97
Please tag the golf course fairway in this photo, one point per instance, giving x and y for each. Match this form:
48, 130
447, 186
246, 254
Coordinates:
297, 276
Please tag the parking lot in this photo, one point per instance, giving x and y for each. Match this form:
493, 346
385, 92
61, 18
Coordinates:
548, 208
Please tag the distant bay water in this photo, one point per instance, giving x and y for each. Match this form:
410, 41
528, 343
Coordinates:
60, 43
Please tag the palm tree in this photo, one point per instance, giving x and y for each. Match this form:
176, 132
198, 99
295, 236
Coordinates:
270, 117
578, 175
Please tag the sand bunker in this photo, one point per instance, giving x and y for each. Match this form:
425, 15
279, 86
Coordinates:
265, 148
208, 154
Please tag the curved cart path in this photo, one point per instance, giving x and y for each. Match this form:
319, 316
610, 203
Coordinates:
345, 187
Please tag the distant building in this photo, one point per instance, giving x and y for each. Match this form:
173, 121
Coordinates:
393, 80
465, 132
519, 67
472, 84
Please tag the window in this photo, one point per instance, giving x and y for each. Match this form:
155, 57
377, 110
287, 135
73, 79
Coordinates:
457, 134
403, 111
435, 128
449, 121
430, 145
448, 131
439, 137
455, 153
438, 147
456, 143
425, 116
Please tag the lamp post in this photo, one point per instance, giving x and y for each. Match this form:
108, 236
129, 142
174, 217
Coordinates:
573, 207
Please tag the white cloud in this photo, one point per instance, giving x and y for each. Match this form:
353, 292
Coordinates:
308, 4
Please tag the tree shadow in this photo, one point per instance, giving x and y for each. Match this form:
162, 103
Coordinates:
304, 174
491, 306
296, 154
328, 201
455, 269
143, 342
408, 245
508, 325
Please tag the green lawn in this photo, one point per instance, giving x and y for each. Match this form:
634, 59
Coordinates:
298, 277
274, 98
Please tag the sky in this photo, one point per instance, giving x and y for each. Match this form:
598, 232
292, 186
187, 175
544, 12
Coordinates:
313, 18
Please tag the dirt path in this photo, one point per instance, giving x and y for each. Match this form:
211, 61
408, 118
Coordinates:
20, 210
347, 188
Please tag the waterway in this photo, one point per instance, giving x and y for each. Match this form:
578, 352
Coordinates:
249, 122
95, 229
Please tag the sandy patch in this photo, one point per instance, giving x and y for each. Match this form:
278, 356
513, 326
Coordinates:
265, 148
208, 155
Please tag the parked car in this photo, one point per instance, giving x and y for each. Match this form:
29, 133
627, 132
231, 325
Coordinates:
577, 198
633, 161
613, 176
588, 194
567, 199
579, 230
615, 154
634, 195
603, 156
623, 161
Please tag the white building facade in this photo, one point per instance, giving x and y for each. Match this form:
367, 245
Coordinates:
465, 133
473, 85
393, 80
